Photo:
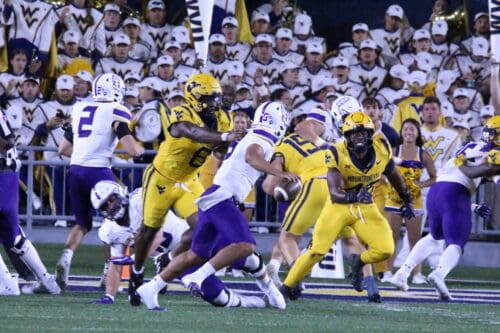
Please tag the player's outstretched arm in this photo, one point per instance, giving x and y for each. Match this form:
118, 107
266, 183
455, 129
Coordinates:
255, 157
127, 140
482, 170
270, 182
65, 148
202, 134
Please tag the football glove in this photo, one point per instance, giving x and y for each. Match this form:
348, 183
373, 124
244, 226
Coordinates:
364, 196
407, 211
11, 158
482, 210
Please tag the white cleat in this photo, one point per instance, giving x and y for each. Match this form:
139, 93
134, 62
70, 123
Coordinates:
9, 287
399, 282
194, 286
419, 279
273, 274
440, 286
62, 273
275, 297
149, 297
387, 277
48, 287
251, 301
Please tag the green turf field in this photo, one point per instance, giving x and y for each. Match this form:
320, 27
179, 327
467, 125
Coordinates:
69, 311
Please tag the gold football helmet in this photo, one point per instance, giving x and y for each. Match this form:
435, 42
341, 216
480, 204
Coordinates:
203, 92
491, 131
358, 122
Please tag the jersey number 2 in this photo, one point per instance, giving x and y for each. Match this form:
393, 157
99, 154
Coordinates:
88, 120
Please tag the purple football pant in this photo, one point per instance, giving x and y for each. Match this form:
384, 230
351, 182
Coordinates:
223, 221
81, 180
9, 194
449, 213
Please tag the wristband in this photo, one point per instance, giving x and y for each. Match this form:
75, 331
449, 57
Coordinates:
319, 142
224, 136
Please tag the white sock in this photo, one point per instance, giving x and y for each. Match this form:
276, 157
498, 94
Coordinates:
67, 256
158, 283
111, 296
203, 272
4, 271
449, 259
275, 264
424, 247
33, 261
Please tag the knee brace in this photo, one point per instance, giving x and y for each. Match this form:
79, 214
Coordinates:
254, 265
20, 245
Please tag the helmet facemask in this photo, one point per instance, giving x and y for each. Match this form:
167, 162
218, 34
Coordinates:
359, 140
114, 207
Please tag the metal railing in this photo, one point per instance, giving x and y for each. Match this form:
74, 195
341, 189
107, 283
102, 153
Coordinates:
266, 208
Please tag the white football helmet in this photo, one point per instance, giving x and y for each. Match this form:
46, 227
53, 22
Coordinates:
342, 107
108, 87
102, 192
273, 118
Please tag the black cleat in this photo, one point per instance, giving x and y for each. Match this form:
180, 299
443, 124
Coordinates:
356, 272
375, 298
291, 293
135, 281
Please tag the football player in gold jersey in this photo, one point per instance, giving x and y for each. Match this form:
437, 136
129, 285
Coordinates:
192, 131
354, 165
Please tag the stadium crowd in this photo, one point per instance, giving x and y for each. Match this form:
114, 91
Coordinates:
427, 93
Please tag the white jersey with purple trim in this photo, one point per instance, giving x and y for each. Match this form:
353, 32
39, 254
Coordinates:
94, 139
389, 41
473, 153
238, 51
156, 37
111, 65
290, 56
441, 143
370, 78
219, 70
235, 177
111, 233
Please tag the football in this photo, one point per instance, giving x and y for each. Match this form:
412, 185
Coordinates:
287, 191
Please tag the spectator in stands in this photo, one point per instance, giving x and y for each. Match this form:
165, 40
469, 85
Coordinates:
440, 43
289, 80
10, 82
420, 43
463, 113
131, 79
236, 72
217, 63
174, 49
131, 98
175, 98
304, 35
83, 86
283, 96
139, 49
71, 51
464, 131
360, 32
156, 32
282, 51
474, 68
411, 106
389, 38
367, 72
165, 75
480, 28
235, 50
119, 62
104, 33
264, 64
313, 64
343, 85
393, 92
260, 23
180, 34
486, 113
320, 87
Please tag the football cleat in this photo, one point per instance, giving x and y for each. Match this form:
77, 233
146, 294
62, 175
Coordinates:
374, 298
419, 279
398, 281
9, 286
440, 286
149, 297
62, 273
356, 272
194, 286
275, 297
291, 293
48, 287
135, 281
251, 301
104, 300
386, 277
